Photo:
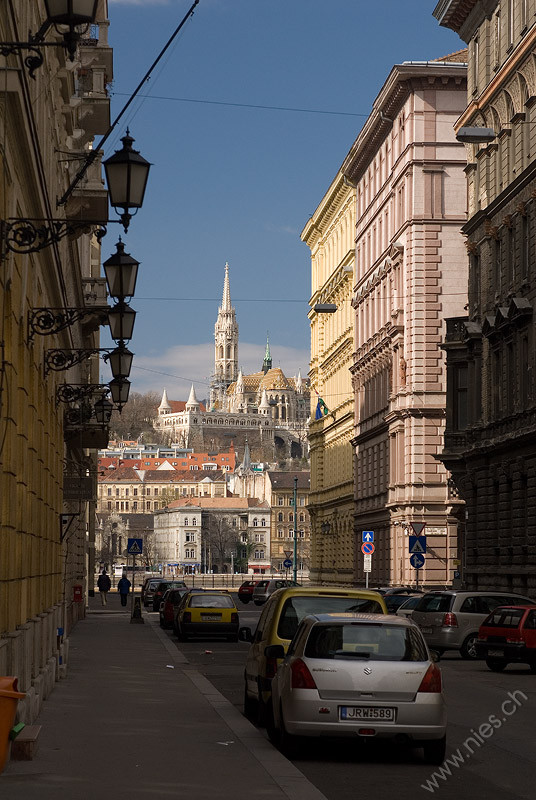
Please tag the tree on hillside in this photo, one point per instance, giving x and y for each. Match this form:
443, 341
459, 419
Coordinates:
136, 418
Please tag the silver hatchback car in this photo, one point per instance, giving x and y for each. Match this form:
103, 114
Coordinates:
360, 675
449, 620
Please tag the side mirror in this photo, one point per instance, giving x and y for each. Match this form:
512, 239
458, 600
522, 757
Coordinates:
245, 635
274, 651
435, 655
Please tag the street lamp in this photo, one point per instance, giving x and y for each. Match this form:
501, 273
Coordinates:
325, 308
120, 362
119, 390
121, 321
121, 272
470, 135
126, 175
103, 411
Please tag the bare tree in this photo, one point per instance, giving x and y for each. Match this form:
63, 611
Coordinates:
136, 418
219, 538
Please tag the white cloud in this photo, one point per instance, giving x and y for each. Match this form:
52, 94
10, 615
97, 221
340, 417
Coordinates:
178, 367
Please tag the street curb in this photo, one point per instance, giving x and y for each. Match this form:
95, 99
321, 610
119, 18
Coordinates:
288, 777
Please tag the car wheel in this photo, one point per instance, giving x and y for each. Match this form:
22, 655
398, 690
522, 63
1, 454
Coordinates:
258, 602
289, 745
468, 648
496, 664
434, 750
251, 708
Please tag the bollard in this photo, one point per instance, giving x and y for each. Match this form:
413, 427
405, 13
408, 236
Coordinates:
9, 698
136, 611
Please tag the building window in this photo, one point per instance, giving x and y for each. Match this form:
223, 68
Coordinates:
135, 492
156, 491
263, 523
190, 536
280, 501
291, 517
109, 492
280, 517
301, 501
280, 533
134, 506
302, 517
148, 505
194, 520
109, 506
185, 521
255, 522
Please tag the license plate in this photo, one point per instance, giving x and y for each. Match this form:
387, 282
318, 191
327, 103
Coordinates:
496, 653
367, 713
210, 617
427, 630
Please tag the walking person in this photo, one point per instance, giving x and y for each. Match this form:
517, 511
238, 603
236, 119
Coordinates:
123, 587
104, 585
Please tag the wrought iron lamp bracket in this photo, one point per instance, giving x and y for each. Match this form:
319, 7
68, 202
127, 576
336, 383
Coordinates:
44, 321
74, 392
59, 360
29, 236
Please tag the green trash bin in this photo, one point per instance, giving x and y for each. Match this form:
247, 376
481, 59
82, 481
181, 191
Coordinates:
9, 698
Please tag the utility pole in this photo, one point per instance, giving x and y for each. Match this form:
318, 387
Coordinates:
295, 564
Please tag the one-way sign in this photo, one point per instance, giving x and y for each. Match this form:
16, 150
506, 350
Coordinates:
367, 536
417, 544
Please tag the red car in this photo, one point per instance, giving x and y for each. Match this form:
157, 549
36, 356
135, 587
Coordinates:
169, 604
245, 593
508, 636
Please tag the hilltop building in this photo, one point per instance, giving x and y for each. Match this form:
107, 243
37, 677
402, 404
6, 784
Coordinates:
268, 409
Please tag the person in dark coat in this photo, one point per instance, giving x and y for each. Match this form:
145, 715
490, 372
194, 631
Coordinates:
104, 585
123, 587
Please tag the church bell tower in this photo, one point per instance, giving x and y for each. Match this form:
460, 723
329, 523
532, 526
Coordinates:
225, 348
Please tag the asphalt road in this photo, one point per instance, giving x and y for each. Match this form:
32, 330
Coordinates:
491, 744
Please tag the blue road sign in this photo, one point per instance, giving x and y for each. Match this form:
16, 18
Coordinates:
135, 547
367, 536
287, 563
417, 544
367, 548
417, 560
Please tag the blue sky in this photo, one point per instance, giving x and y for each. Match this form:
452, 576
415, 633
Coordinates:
234, 182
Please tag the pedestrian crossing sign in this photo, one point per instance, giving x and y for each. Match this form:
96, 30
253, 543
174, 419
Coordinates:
135, 547
417, 544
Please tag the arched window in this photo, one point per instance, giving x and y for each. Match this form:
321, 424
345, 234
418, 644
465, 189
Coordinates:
255, 522
263, 523
280, 517
186, 520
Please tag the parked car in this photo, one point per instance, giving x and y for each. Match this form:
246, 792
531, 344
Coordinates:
449, 620
278, 623
348, 675
147, 590
408, 606
407, 590
169, 605
394, 601
265, 588
161, 587
207, 613
508, 636
245, 591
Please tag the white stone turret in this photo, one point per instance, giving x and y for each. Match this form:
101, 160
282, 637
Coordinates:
299, 383
264, 405
164, 406
192, 403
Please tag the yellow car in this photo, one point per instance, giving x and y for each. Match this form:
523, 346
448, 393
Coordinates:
278, 623
207, 613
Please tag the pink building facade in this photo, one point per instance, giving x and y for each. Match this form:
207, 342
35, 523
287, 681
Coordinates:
410, 274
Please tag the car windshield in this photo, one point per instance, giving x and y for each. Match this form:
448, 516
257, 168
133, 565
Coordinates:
296, 608
435, 602
366, 641
504, 618
211, 601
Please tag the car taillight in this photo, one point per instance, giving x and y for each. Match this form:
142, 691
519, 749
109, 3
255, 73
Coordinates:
514, 638
449, 620
234, 616
187, 617
301, 677
432, 680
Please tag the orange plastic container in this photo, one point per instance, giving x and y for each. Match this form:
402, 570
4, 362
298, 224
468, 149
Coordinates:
9, 697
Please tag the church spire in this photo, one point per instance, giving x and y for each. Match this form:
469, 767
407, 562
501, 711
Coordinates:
226, 300
267, 363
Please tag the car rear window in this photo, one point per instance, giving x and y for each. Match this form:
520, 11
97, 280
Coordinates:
366, 641
436, 602
504, 618
296, 608
262, 583
211, 601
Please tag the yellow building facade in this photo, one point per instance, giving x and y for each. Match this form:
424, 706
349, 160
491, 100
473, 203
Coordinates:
329, 234
47, 470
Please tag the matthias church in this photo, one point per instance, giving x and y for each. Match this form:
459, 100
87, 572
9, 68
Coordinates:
265, 409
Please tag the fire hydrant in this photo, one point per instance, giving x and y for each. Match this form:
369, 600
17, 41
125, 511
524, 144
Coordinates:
9, 698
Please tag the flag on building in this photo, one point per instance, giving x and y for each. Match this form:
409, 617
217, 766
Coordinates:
321, 409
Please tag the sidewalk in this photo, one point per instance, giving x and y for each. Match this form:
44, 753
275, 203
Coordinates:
133, 717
